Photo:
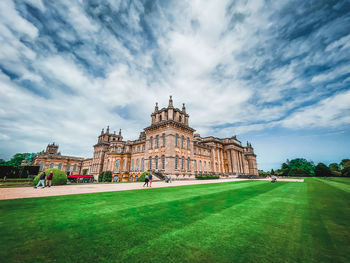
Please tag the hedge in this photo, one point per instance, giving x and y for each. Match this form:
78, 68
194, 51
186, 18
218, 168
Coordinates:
59, 177
142, 177
205, 177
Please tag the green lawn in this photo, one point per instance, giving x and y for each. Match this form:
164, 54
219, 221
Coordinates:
251, 221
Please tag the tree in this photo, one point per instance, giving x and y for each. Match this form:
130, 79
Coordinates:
272, 172
346, 171
2, 162
302, 163
85, 171
345, 163
322, 170
335, 169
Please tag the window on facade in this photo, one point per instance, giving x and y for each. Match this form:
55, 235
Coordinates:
68, 168
182, 141
205, 165
150, 163
157, 141
180, 119
176, 140
74, 167
200, 165
194, 150
119, 149
176, 162
188, 143
60, 166
199, 151
151, 142
182, 163
51, 165
188, 163
163, 136
160, 117
132, 165
143, 164
156, 162
195, 165
163, 162
143, 147
137, 165
138, 148
117, 163
41, 166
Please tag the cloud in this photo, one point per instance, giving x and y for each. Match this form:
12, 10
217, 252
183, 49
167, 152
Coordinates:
67, 69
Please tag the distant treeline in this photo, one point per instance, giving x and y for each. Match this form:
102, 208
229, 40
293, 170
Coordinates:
302, 167
18, 172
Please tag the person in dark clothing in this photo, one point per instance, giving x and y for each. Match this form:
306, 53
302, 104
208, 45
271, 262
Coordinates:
146, 181
41, 180
49, 179
150, 180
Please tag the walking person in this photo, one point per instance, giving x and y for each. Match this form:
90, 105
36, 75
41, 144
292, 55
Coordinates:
150, 180
146, 181
41, 180
49, 179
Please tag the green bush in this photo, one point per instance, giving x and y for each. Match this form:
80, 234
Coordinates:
58, 178
105, 177
143, 175
206, 176
85, 171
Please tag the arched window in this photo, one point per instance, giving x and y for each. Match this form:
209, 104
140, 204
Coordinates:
156, 161
163, 162
143, 164
177, 140
157, 141
163, 139
51, 165
41, 166
151, 142
60, 166
176, 162
119, 149
188, 143
150, 163
182, 163
117, 163
182, 142
132, 165
137, 165
188, 163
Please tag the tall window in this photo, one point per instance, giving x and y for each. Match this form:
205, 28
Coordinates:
132, 165
199, 151
124, 164
176, 162
157, 141
51, 165
119, 149
188, 143
188, 163
143, 164
68, 168
41, 166
156, 161
195, 165
182, 142
151, 142
177, 140
117, 163
194, 150
163, 162
163, 139
182, 163
74, 167
137, 165
60, 166
205, 165
138, 148
150, 163
143, 147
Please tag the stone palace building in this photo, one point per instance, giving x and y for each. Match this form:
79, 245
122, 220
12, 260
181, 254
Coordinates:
169, 145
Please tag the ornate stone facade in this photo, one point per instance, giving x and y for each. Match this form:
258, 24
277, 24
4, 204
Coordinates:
170, 145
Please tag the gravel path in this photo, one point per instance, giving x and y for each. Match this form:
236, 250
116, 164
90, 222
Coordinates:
28, 192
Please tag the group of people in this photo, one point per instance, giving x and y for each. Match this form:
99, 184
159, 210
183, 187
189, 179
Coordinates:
45, 180
148, 179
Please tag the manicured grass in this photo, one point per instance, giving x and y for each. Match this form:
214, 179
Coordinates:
251, 221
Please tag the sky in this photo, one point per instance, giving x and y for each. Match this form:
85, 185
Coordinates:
274, 73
